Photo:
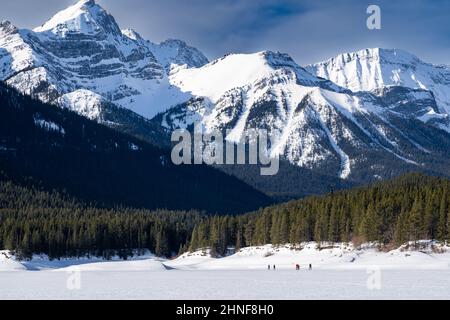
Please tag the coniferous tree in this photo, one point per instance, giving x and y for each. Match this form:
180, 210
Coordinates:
239, 239
442, 231
248, 233
214, 244
195, 243
406, 209
284, 228
416, 225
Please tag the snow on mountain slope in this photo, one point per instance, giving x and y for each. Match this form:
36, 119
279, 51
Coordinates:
233, 71
372, 69
84, 102
82, 49
320, 125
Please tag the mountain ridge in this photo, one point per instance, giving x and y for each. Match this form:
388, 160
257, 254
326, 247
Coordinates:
321, 125
375, 68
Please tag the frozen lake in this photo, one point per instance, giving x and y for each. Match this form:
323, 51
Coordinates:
339, 271
230, 284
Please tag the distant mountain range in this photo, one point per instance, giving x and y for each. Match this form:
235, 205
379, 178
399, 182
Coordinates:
324, 127
356, 118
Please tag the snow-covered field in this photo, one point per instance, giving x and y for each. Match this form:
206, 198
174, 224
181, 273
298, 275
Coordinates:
339, 272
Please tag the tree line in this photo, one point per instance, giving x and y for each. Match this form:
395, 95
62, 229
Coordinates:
51, 223
409, 208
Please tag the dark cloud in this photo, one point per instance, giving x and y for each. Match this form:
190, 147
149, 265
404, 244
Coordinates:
310, 30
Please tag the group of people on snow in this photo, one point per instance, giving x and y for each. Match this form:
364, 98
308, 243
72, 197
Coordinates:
297, 267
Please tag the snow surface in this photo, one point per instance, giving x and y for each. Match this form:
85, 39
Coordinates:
330, 256
218, 77
228, 285
340, 271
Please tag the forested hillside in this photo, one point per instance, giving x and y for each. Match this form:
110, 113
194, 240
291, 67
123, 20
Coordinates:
55, 148
408, 208
52, 223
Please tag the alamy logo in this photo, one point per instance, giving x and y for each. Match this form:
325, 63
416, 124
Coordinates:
211, 148
374, 279
74, 279
374, 20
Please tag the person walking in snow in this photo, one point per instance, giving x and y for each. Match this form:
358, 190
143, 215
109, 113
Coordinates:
268, 267
310, 266
274, 267
297, 267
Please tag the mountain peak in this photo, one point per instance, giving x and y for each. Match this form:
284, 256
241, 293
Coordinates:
374, 55
389, 55
174, 52
6, 27
132, 34
84, 17
371, 69
276, 58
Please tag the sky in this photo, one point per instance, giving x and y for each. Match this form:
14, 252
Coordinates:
309, 30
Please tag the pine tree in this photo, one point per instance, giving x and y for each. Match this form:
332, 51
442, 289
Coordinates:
259, 237
416, 226
448, 228
275, 229
214, 238
442, 232
428, 229
371, 224
161, 247
223, 236
194, 244
333, 228
284, 228
239, 239
203, 235
248, 233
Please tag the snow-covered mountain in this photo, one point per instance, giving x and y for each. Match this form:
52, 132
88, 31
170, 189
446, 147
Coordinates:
373, 69
82, 60
321, 125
